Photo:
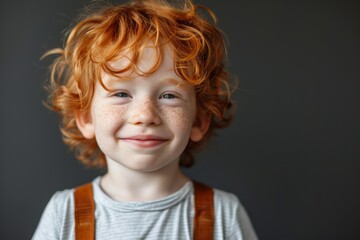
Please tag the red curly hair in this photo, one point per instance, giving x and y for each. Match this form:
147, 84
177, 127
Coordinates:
98, 37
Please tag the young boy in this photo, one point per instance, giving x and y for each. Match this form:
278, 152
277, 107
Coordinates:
139, 87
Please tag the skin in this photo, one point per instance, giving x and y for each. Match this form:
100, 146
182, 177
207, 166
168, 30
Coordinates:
142, 126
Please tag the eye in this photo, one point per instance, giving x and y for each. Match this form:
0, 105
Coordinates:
168, 96
122, 95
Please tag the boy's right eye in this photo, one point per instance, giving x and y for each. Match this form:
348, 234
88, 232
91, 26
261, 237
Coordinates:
121, 95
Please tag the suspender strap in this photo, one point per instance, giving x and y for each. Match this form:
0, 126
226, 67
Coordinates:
203, 219
84, 213
204, 212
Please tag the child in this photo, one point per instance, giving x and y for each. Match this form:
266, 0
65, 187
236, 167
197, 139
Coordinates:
140, 87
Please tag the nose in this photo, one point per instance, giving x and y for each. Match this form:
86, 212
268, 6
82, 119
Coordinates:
146, 113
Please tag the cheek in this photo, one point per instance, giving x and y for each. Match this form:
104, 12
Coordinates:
108, 115
179, 118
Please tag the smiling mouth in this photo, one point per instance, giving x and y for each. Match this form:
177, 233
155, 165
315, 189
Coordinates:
144, 142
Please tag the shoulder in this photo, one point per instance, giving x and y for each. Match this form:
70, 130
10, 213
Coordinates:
232, 216
55, 216
225, 198
60, 202
227, 204
62, 196
222, 199
63, 199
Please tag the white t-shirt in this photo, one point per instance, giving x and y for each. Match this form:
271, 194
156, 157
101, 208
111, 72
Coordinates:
167, 218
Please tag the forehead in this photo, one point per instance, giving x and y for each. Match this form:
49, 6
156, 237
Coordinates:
153, 62
146, 60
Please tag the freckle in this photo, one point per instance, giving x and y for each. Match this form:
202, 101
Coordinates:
178, 116
107, 113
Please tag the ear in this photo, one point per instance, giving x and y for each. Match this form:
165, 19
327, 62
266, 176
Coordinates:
85, 125
200, 127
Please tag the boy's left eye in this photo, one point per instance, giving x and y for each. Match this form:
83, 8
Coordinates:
168, 96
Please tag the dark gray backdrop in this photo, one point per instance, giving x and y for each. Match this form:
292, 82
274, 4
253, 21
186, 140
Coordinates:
291, 156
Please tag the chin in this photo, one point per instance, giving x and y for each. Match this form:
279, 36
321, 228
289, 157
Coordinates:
149, 167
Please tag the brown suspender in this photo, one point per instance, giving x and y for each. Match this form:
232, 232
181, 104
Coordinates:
203, 219
84, 213
204, 212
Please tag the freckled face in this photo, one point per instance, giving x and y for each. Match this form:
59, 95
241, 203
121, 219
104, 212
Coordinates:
146, 122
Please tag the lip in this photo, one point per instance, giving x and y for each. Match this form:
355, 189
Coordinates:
144, 141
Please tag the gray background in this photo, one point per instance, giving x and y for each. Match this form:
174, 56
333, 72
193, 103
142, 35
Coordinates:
292, 154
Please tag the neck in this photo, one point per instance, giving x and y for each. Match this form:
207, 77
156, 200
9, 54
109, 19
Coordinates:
124, 184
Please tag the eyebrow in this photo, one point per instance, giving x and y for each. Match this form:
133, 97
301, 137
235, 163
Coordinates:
173, 81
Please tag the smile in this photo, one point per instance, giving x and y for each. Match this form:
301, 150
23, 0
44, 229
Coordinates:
144, 141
